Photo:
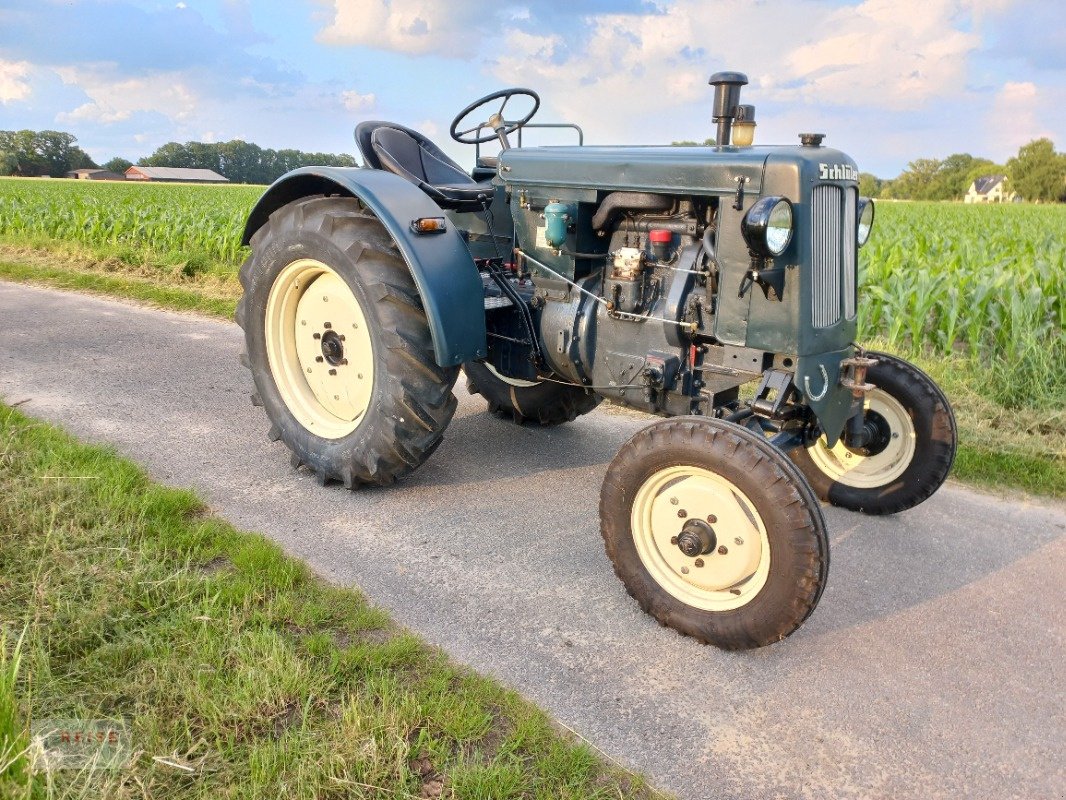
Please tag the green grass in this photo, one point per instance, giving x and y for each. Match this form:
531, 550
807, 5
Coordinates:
974, 294
245, 674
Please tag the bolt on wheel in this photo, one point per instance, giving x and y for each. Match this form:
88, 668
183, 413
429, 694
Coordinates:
319, 348
700, 538
714, 532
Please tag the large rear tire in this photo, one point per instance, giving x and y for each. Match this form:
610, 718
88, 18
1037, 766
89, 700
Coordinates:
910, 456
339, 345
714, 532
537, 402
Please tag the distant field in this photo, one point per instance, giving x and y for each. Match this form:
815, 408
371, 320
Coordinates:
194, 226
974, 293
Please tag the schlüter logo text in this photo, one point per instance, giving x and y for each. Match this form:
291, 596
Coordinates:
837, 172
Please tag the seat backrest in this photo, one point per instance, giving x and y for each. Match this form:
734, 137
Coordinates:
400, 153
363, 133
412, 155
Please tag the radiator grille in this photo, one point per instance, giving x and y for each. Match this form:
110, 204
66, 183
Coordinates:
851, 200
825, 277
833, 245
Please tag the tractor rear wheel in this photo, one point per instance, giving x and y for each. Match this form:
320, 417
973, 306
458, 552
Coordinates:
339, 345
538, 402
714, 532
913, 445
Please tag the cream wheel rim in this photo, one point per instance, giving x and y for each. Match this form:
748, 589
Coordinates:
737, 563
319, 348
869, 472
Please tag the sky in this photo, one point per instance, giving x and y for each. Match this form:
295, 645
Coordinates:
888, 81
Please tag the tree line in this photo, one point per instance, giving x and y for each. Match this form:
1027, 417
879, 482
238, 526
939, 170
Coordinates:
55, 153
1037, 174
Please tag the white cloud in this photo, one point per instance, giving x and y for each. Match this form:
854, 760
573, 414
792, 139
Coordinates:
1015, 116
114, 98
353, 101
13, 84
407, 26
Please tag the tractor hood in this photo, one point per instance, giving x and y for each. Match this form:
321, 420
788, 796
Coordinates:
697, 170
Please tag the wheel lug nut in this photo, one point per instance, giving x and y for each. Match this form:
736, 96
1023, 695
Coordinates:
333, 372
318, 359
738, 541
316, 336
699, 562
711, 518
684, 570
682, 513
344, 361
673, 501
326, 325
673, 540
723, 550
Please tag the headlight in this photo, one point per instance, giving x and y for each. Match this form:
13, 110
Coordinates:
866, 220
767, 226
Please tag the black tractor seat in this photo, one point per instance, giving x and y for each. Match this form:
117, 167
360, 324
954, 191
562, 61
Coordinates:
409, 154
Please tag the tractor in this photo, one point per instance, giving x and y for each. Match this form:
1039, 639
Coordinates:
713, 286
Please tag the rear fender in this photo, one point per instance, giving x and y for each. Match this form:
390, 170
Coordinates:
443, 270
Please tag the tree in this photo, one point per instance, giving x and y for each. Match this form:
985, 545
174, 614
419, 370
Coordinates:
9, 163
118, 164
44, 152
242, 162
870, 185
1038, 172
916, 182
688, 143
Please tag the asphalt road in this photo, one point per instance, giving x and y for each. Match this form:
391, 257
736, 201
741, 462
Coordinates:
933, 666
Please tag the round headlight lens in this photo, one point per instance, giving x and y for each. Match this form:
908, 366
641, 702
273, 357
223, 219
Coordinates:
767, 226
866, 220
779, 228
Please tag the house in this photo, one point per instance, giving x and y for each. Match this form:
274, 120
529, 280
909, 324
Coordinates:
96, 175
174, 175
990, 189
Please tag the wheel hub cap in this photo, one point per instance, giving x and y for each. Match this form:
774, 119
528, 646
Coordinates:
697, 538
332, 348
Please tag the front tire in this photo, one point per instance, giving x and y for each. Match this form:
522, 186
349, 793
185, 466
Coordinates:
911, 455
714, 532
339, 345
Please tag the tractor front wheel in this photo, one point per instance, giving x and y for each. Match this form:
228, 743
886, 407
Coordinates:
714, 532
911, 449
339, 345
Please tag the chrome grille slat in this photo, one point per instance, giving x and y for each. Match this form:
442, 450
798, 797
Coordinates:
851, 201
826, 249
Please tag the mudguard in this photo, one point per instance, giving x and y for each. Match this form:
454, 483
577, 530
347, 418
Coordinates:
440, 263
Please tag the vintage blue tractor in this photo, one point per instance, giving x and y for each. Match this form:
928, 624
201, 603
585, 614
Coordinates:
663, 278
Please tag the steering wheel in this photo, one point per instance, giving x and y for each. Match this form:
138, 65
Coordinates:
500, 127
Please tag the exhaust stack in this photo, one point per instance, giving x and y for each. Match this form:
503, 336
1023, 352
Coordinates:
726, 99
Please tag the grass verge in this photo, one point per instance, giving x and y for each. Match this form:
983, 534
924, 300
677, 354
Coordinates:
1009, 448
241, 674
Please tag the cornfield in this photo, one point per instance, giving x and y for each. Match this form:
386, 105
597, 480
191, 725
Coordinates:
202, 224
984, 283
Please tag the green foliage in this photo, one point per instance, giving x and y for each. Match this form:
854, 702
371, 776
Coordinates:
242, 162
689, 143
240, 673
983, 282
870, 185
118, 164
37, 153
935, 179
1038, 172
186, 223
